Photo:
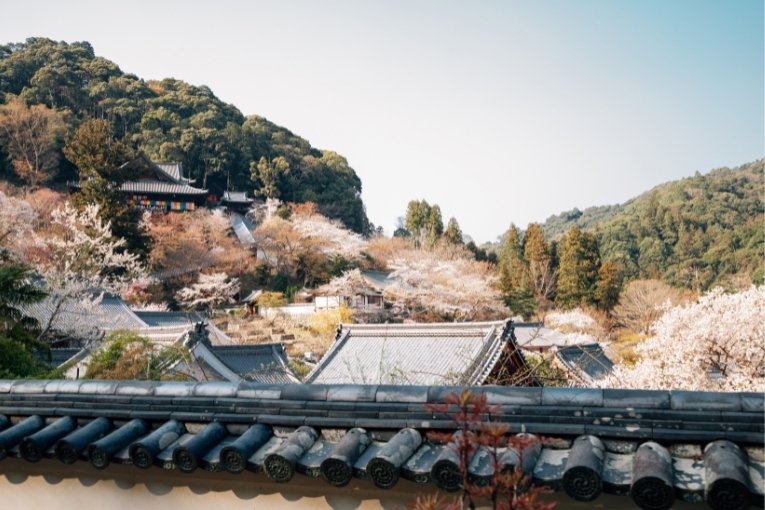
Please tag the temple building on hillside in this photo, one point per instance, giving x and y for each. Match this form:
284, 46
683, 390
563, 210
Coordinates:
237, 201
161, 186
158, 186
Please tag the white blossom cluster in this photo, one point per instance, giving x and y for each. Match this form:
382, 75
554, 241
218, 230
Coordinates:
457, 286
210, 291
717, 343
574, 319
334, 238
17, 218
84, 253
79, 260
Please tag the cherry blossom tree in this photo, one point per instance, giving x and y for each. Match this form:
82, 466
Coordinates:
209, 292
446, 283
337, 240
17, 218
717, 343
80, 260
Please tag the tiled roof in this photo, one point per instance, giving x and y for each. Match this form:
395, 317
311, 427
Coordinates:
651, 445
456, 353
76, 318
264, 363
536, 337
168, 319
110, 313
161, 187
59, 356
242, 228
587, 362
174, 170
379, 279
236, 196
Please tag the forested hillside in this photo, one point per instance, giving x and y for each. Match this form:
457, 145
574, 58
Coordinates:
695, 232
170, 120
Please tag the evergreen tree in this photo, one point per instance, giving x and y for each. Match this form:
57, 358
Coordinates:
417, 219
435, 225
578, 269
513, 275
609, 285
536, 251
99, 158
453, 233
21, 352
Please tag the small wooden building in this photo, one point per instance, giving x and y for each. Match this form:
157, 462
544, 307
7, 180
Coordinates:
237, 201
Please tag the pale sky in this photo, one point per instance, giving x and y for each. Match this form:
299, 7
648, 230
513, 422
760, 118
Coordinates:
500, 112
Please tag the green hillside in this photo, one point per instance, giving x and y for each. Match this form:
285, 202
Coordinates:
695, 232
170, 120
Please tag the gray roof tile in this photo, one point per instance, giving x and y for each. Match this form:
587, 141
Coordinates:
571, 412
416, 354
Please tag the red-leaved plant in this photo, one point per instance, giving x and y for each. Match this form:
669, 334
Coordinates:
506, 489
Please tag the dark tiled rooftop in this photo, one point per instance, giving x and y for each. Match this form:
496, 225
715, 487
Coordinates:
651, 445
587, 362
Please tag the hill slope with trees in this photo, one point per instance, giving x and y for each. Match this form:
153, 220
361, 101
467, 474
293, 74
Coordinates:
696, 232
169, 120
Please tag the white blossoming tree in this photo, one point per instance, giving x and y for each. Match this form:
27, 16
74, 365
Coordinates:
210, 291
336, 239
80, 260
717, 343
17, 218
446, 284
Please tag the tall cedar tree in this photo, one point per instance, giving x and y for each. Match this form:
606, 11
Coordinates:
609, 286
435, 225
536, 251
513, 275
99, 157
578, 269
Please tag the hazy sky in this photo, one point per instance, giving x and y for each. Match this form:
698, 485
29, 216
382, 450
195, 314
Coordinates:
500, 112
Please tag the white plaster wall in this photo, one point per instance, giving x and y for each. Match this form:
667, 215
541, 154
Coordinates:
50, 484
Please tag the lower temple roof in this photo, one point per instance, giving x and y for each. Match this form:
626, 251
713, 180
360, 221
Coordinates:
651, 445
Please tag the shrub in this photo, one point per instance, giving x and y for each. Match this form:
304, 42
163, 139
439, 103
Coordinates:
324, 323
